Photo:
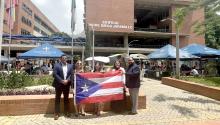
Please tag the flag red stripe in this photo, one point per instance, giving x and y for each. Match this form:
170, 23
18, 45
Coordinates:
98, 99
112, 85
100, 75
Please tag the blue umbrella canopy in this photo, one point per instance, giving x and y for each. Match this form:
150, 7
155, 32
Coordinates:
43, 51
200, 50
169, 52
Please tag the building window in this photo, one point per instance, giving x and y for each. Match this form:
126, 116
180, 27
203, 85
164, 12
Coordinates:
25, 32
37, 29
37, 19
42, 23
26, 21
27, 9
43, 33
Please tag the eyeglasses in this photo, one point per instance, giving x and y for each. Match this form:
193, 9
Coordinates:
79, 63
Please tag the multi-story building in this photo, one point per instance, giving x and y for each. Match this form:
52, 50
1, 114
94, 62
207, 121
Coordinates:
137, 25
29, 21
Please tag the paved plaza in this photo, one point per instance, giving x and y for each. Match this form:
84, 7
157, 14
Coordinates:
165, 106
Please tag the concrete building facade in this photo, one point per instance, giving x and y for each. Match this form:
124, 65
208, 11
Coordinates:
29, 20
136, 25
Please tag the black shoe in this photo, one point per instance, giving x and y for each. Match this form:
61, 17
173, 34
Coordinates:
76, 115
68, 114
82, 114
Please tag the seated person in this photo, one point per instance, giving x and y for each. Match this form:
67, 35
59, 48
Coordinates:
45, 69
185, 70
194, 72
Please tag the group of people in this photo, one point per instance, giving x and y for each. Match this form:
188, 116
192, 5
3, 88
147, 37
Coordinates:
63, 80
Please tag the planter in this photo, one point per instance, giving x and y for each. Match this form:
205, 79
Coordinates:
42, 104
211, 92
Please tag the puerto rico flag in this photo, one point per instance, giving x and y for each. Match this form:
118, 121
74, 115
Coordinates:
98, 87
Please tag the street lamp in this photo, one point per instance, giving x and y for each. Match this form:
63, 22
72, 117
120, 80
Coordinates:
177, 46
129, 45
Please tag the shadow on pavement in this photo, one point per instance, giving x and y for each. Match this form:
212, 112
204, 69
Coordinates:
163, 98
184, 110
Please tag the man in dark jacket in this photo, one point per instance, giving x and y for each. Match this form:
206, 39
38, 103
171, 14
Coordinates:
62, 79
133, 83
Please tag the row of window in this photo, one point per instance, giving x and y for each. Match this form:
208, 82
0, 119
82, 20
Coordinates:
37, 19
43, 33
27, 9
25, 32
37, 29
40, 31
26, 21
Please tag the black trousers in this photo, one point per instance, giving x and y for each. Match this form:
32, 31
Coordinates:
59, 90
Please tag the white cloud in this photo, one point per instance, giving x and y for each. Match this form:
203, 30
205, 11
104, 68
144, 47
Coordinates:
59, 13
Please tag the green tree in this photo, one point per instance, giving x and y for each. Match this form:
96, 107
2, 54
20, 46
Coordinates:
210, 27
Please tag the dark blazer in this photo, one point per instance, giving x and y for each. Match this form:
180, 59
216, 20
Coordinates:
58, 74
133, 76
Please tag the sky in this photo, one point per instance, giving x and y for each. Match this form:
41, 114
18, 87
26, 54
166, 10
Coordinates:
59, 13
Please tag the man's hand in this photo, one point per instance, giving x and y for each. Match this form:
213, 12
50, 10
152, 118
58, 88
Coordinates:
65, 82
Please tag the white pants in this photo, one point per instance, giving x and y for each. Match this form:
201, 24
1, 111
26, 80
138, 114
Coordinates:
134, 99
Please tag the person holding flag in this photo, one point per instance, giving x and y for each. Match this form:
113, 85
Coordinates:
80, 108
115, 104
99, 105
133, 84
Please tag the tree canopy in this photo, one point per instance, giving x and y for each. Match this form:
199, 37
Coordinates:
210, 27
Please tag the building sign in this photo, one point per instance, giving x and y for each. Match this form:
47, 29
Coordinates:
111, 25
110, 15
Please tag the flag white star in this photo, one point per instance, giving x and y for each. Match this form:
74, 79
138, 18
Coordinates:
85, 88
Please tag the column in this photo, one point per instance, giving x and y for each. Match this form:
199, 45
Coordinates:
126, 43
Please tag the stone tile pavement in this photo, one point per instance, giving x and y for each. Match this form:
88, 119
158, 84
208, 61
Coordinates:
165, 106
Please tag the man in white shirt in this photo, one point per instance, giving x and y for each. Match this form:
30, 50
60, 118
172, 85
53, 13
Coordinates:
194, 72
62, 79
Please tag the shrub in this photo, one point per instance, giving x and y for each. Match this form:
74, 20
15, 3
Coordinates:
15, 80
45, 80
210, 69
23, 91
166, 74
20, 80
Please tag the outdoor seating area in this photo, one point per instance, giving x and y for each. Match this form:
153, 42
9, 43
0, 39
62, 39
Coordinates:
194, 57
39, 60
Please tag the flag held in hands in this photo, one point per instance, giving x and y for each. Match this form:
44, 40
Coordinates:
98, 87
